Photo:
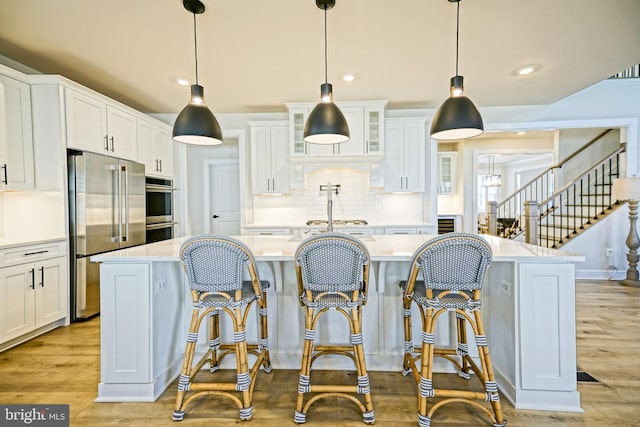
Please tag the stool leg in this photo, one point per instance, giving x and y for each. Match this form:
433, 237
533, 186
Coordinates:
462, 345
305, 367
214, 340
425, 386
408, 337
490, 385
185, 372
243, 383
264, 333
361, 367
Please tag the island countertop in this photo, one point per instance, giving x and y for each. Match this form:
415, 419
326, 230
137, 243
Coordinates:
381, 248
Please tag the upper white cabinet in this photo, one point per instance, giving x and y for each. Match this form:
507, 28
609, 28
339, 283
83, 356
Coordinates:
269, 153
155, 149
96, 126
16, 137
404, 169
447, 169
366, 130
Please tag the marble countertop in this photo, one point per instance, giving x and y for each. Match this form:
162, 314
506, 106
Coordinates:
381, 248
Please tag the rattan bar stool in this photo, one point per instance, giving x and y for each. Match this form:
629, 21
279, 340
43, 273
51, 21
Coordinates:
453, 266
216, 266
333, 274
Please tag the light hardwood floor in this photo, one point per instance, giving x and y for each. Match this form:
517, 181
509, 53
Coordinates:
63, 367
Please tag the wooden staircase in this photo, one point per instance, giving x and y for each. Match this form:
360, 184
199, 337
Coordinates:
569, 211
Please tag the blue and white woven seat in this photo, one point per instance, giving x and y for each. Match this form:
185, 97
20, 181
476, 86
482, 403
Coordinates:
332, 270
215, 267
452, 267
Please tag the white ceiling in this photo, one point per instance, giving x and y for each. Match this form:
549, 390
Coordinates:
254, 55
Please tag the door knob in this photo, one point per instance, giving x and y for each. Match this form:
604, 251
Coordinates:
216, 216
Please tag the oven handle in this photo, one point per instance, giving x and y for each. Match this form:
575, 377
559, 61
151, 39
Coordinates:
160, 225
160, 188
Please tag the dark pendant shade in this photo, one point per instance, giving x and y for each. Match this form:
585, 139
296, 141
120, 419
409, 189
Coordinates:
326, 123
457, 118
196, 124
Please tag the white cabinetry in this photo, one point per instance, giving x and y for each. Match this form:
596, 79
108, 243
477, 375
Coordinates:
155, 149
366, 130
33, 291
16, 138
405, 155
269, 159
97, 126
447, 169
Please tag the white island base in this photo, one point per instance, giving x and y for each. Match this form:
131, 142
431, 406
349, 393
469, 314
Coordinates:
528, 309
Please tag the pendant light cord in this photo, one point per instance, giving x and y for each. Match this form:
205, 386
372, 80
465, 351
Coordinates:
457, 33
195, 39
325, 43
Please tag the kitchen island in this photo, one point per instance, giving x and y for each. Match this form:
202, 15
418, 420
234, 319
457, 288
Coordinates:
528, 308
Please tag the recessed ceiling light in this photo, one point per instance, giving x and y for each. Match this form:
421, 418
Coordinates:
521, 132
183, 82
348, 77
526, 70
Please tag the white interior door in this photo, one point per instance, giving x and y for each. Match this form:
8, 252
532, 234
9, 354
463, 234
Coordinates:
224, 198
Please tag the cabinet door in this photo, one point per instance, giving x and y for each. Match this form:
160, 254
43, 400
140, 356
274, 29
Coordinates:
17, 298
146, 150
261, 160
279, 161
355, 145
51, 291
446, 173
16, 138
414, 140
86, 123
163, 149
297, 119
121, 130
374, 130
394, 156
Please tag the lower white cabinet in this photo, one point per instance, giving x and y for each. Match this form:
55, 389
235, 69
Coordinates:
34, 284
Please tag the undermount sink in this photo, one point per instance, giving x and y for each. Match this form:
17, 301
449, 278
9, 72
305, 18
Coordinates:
304, 236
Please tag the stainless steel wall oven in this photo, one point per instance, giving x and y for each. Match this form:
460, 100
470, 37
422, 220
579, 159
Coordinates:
159, 209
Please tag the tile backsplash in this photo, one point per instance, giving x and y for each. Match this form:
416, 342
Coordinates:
355, 200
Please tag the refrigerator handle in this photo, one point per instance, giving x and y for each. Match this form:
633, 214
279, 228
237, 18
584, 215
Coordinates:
115, 204
125, 185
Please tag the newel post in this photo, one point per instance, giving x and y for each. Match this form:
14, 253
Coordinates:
531, 217
492, 220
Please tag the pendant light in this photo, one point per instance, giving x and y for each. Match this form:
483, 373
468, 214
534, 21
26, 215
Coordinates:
457, 117
326, 123
493, 179
196, 124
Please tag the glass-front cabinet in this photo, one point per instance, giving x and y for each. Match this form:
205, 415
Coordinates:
366, 128
297, 119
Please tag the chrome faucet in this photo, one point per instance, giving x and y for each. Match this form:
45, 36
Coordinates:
330, 189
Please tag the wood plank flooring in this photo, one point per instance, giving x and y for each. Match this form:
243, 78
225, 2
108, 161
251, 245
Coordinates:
63, 367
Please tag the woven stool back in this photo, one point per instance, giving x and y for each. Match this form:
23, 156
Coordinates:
216, 263
332, 262
453, 261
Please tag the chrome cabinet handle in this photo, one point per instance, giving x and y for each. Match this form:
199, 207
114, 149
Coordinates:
106, 142
112, 145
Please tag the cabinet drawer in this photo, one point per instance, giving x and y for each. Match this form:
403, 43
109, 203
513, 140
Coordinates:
30, 253
268, 231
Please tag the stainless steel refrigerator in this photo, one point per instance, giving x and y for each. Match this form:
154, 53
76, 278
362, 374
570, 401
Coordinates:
106, 212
